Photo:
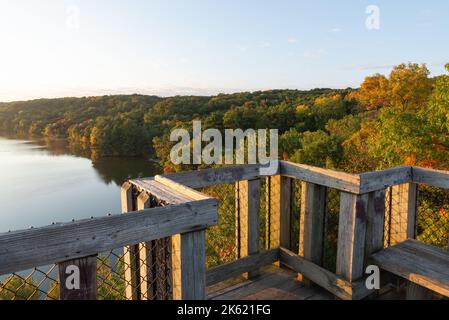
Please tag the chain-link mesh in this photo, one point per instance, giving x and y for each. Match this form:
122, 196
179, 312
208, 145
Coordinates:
36, 284
432, 221
387, 221
331, 221
263, 212
221, 239
296, 214
153, 274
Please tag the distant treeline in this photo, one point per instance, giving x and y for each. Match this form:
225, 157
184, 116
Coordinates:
402, 118
126, 125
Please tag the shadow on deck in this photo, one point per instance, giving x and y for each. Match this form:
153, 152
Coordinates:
272, 284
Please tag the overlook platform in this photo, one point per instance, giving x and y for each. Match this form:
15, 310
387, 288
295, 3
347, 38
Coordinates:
304, 233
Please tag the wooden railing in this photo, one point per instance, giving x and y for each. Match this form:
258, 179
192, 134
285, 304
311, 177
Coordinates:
168, 207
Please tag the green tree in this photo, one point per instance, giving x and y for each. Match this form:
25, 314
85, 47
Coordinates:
318, 149
18, 288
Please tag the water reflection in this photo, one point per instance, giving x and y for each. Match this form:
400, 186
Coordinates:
110, 170
45, 182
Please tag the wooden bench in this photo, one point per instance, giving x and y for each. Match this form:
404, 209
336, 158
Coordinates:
425, 267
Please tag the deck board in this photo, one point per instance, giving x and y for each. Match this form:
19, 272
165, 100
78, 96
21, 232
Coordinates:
421, 264
273, 284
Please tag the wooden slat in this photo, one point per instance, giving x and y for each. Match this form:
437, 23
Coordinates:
248, 233
332, 179
421, 264
435, 178
21, 250
311, 225
87, 277
160, 191
379, 180
403, 212
375, 223
193, 265
340, 287
433, 253
351, 236
131, 252
176, 267
146, 258
209, 177
273, 284
238, 267
180, 188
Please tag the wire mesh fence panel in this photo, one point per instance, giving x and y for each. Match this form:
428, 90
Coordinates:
221, 239
432, 221
295, 214
151, 267
263, 212
331, 221
387, 223
111, 280
37, 284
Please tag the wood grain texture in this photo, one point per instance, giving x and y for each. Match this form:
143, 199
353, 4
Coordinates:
273, 284
146, 258
332, 179
238, 267
351, 236
311, 225
436, 178
41, 246
338, 286
131, 252
209, 177
87, 279
375, 223
193, 265
424, 265
176, 267
160, 191
182, 189
379, 180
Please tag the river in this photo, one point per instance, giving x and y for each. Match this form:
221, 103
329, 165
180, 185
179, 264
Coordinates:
43, 182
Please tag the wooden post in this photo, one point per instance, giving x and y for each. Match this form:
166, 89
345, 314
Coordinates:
131, 256
403, 212
78, 279
311, 240
248, 228
176, 266
193, 265
279, 193
351, 235
375, 223
146, 257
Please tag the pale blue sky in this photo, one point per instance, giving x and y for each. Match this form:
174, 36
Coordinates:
52, 48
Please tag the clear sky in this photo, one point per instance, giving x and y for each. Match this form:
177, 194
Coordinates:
54, 48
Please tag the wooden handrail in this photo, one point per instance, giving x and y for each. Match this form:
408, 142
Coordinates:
22, 250
186, 213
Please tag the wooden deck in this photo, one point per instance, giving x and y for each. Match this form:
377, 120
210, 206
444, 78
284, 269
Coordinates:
272, 284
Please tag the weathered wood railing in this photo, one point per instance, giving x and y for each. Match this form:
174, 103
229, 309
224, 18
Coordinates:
181, 215
77, 243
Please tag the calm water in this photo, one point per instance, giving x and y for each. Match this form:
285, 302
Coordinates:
42, 182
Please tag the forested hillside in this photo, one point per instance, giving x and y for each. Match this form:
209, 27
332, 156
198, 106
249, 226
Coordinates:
401, 118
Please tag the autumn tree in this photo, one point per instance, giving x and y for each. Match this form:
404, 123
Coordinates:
408, 87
